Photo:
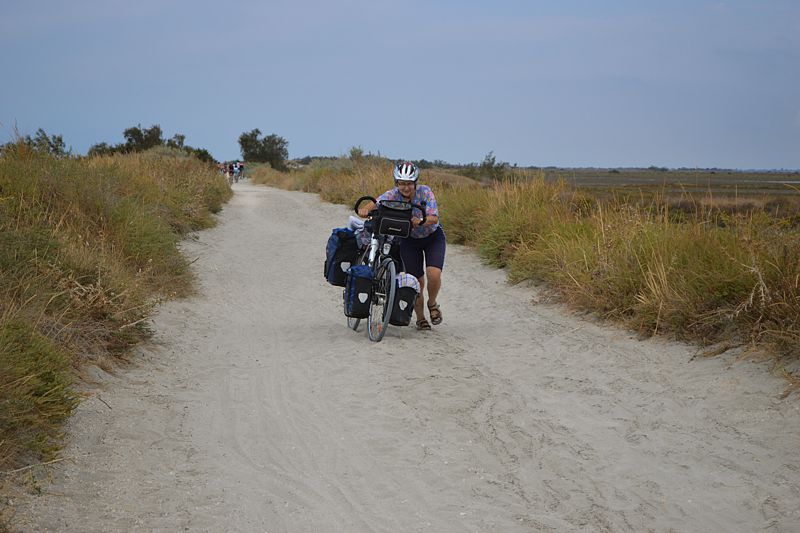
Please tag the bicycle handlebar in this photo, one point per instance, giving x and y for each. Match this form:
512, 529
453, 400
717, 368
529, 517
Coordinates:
374, 201
358, 202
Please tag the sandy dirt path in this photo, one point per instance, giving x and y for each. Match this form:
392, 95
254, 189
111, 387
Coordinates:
256, 409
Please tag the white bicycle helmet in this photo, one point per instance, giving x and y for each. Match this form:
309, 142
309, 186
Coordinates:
406, 172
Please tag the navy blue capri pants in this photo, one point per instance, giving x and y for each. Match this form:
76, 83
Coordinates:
428, 251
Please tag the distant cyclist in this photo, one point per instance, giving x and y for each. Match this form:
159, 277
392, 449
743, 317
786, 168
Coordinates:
423, 251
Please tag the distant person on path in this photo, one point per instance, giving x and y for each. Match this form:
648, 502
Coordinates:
423, 251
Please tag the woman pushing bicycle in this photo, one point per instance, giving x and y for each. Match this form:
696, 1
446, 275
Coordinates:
423, 251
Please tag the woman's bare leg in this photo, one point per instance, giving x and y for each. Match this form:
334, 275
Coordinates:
419, 305
434, 284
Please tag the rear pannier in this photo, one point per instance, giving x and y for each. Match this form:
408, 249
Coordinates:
340, 253
358, 291
394, 218
406, 296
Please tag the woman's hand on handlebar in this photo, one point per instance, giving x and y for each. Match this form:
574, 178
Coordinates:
363, 211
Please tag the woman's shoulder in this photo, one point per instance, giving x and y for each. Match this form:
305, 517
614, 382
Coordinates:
423, 191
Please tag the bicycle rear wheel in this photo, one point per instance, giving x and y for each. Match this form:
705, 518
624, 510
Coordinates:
383, 294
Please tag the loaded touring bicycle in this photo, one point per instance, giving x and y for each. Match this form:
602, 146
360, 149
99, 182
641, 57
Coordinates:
365, 260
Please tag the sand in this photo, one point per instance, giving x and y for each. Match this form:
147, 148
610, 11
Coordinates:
256, 409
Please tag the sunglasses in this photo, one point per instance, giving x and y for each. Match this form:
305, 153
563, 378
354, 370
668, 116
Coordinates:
401, 183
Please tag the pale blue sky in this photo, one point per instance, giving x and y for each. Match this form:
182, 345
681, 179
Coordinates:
568, 83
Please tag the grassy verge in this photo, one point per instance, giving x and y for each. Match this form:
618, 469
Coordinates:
87, 246
696, 273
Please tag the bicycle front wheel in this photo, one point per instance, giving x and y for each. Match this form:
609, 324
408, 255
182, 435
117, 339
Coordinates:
383, 293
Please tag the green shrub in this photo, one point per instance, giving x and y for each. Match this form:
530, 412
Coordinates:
35, 379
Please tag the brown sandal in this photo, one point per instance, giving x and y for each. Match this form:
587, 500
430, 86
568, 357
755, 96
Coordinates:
422, 324
436, 314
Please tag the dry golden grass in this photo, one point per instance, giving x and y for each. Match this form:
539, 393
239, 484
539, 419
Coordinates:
87, 246
707, 269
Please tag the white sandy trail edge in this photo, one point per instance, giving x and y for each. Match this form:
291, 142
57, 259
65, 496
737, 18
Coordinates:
256, 409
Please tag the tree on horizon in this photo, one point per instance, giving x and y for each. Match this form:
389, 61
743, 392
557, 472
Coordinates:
272, 149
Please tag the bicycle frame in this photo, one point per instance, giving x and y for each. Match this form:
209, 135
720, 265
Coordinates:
378, 249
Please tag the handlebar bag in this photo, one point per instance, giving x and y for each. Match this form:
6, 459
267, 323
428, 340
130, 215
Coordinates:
358, 291
405, 297
394, 218
341, 252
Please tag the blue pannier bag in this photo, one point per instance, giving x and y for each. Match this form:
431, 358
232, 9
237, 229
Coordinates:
358, 291
340, 253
